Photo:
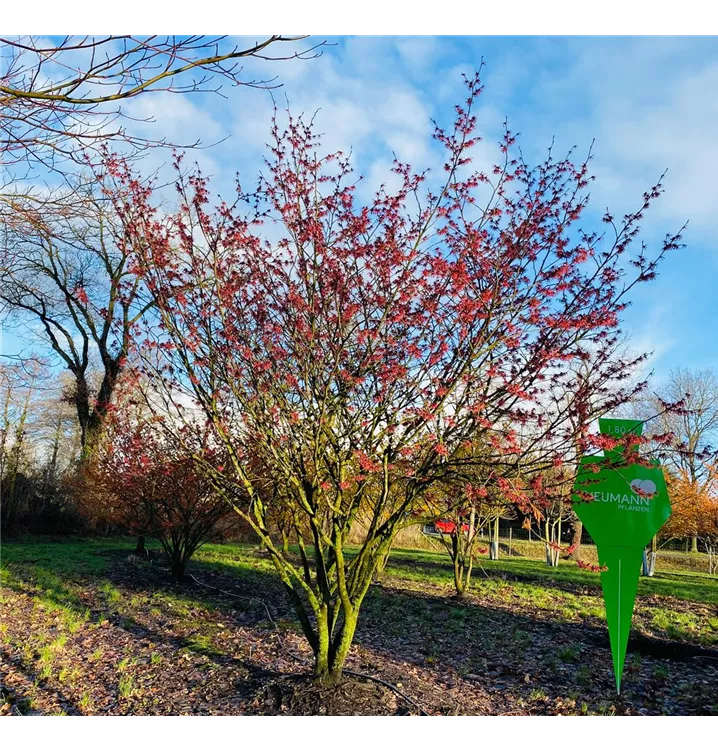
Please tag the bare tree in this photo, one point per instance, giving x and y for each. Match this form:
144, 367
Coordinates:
62, 269
58, 99
66, 281
693, 451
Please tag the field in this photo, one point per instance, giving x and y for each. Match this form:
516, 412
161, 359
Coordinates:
88, 629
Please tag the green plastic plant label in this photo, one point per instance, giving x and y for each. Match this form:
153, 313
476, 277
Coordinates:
627, 506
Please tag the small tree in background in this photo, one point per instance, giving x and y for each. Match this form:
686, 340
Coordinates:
142, 480
695, 508
458, 523
465, 507
555, 511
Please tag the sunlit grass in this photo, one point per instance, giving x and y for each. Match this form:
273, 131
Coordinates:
55, 573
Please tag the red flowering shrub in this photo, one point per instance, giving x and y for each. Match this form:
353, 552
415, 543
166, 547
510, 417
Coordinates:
146, 482
354, 347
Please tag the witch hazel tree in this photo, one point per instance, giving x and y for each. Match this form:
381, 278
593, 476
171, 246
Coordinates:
345, 363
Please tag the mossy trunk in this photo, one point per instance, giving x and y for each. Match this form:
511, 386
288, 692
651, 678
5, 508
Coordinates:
92, 409
332, 649
381, 566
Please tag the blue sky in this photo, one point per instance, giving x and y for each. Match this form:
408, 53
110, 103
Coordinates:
650, 104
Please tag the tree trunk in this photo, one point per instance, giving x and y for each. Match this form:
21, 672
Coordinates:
91, 420
557, 549
494, 543
648, 566
653, 556
551, 552
470, 541
81, 397
381, 566
459, 582
91, 434
140, 548
645, 566
576, 540
651, 564
457, 564
694, 544
462, 554
330, 652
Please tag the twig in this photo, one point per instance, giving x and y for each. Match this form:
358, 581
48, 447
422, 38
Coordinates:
390, 686
237, 596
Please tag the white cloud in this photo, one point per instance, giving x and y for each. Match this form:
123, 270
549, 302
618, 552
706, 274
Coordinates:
651, 105
178, 119
419, 53
653, 336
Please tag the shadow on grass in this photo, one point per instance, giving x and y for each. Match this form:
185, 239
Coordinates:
428, 630
28, 671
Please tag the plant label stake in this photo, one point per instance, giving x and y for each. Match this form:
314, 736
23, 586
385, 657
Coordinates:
629, 504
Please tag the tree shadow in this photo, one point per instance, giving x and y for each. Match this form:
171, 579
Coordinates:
27, 670
519, 654
448, 638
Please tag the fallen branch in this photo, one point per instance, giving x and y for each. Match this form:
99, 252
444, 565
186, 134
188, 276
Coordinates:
388, 685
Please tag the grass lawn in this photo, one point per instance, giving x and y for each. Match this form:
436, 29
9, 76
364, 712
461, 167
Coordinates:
87, 630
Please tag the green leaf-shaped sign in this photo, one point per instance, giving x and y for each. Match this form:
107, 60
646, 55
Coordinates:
628, 505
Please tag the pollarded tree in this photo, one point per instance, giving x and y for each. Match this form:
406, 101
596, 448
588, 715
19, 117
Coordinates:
356, 351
